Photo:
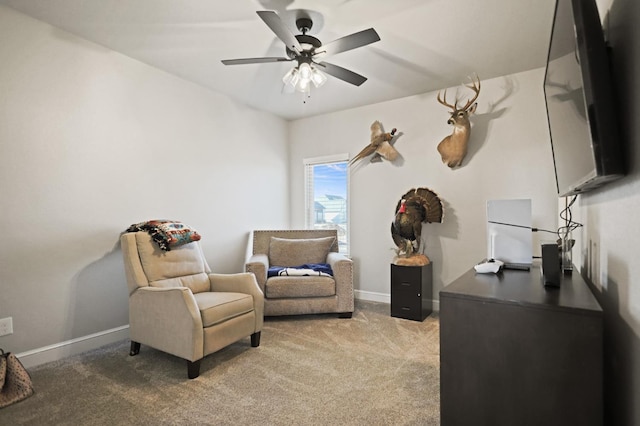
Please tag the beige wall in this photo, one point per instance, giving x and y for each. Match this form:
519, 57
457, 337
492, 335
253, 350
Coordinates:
509, 157
608, 246
92, 141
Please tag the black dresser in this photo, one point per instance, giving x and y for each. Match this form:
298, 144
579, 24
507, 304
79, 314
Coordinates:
515, 353
411, 292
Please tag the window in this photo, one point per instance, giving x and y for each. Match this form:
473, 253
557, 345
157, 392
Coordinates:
327, 196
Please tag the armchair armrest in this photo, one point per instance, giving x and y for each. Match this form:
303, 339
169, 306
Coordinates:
244, 282
258, 264
167, 319
342, 268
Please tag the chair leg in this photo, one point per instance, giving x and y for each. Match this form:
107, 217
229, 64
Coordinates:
135, 348
255, 339
193, 368
345, 315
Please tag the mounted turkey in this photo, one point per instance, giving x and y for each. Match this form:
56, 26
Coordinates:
416, 207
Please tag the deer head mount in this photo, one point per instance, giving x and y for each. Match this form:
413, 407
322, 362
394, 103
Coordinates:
453, 148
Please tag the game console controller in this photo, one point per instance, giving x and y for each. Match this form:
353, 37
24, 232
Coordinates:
491, 266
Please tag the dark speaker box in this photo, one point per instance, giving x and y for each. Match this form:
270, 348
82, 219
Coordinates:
550, 265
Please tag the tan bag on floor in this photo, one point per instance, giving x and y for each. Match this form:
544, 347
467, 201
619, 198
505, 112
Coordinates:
15, 382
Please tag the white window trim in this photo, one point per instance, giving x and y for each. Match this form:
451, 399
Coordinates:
308, 195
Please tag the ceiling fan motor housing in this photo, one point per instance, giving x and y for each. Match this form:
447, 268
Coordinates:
304, 24
308, 43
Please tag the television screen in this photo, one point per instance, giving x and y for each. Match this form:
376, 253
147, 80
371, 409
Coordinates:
579, 99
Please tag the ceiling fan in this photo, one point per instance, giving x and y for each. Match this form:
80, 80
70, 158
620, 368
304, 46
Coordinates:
307, 50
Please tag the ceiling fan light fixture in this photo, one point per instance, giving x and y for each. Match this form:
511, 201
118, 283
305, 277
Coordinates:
303, 76
318, 78
304, 85
305, 71
291, 77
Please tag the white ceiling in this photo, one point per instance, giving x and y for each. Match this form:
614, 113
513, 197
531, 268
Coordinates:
425, 44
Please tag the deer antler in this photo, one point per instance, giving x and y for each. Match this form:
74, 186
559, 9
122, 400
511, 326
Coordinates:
475, 88
444, 101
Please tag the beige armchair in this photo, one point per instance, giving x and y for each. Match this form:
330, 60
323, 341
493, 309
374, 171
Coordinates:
295, 295
178, 306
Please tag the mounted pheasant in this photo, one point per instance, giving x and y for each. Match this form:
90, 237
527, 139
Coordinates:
379, 145
416, 207
453, 148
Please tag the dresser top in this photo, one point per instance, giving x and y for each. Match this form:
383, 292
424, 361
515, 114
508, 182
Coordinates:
525, 288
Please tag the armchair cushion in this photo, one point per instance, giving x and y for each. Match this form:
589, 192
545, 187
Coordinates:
183, 267
295, 287
292, 252
217, 307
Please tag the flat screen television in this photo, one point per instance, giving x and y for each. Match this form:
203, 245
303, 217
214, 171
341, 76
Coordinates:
580, 101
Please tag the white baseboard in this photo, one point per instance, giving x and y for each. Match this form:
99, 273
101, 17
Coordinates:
384, 298
75, 346
78, 345
372, 296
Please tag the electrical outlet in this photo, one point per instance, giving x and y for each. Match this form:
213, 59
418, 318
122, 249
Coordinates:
6, 326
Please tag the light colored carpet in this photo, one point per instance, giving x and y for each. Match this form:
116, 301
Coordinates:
371, 369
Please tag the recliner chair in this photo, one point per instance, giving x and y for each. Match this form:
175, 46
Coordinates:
178, 306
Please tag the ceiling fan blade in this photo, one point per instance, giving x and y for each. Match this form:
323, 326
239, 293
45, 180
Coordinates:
349, 42
254, 60
274, 22
343, 73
